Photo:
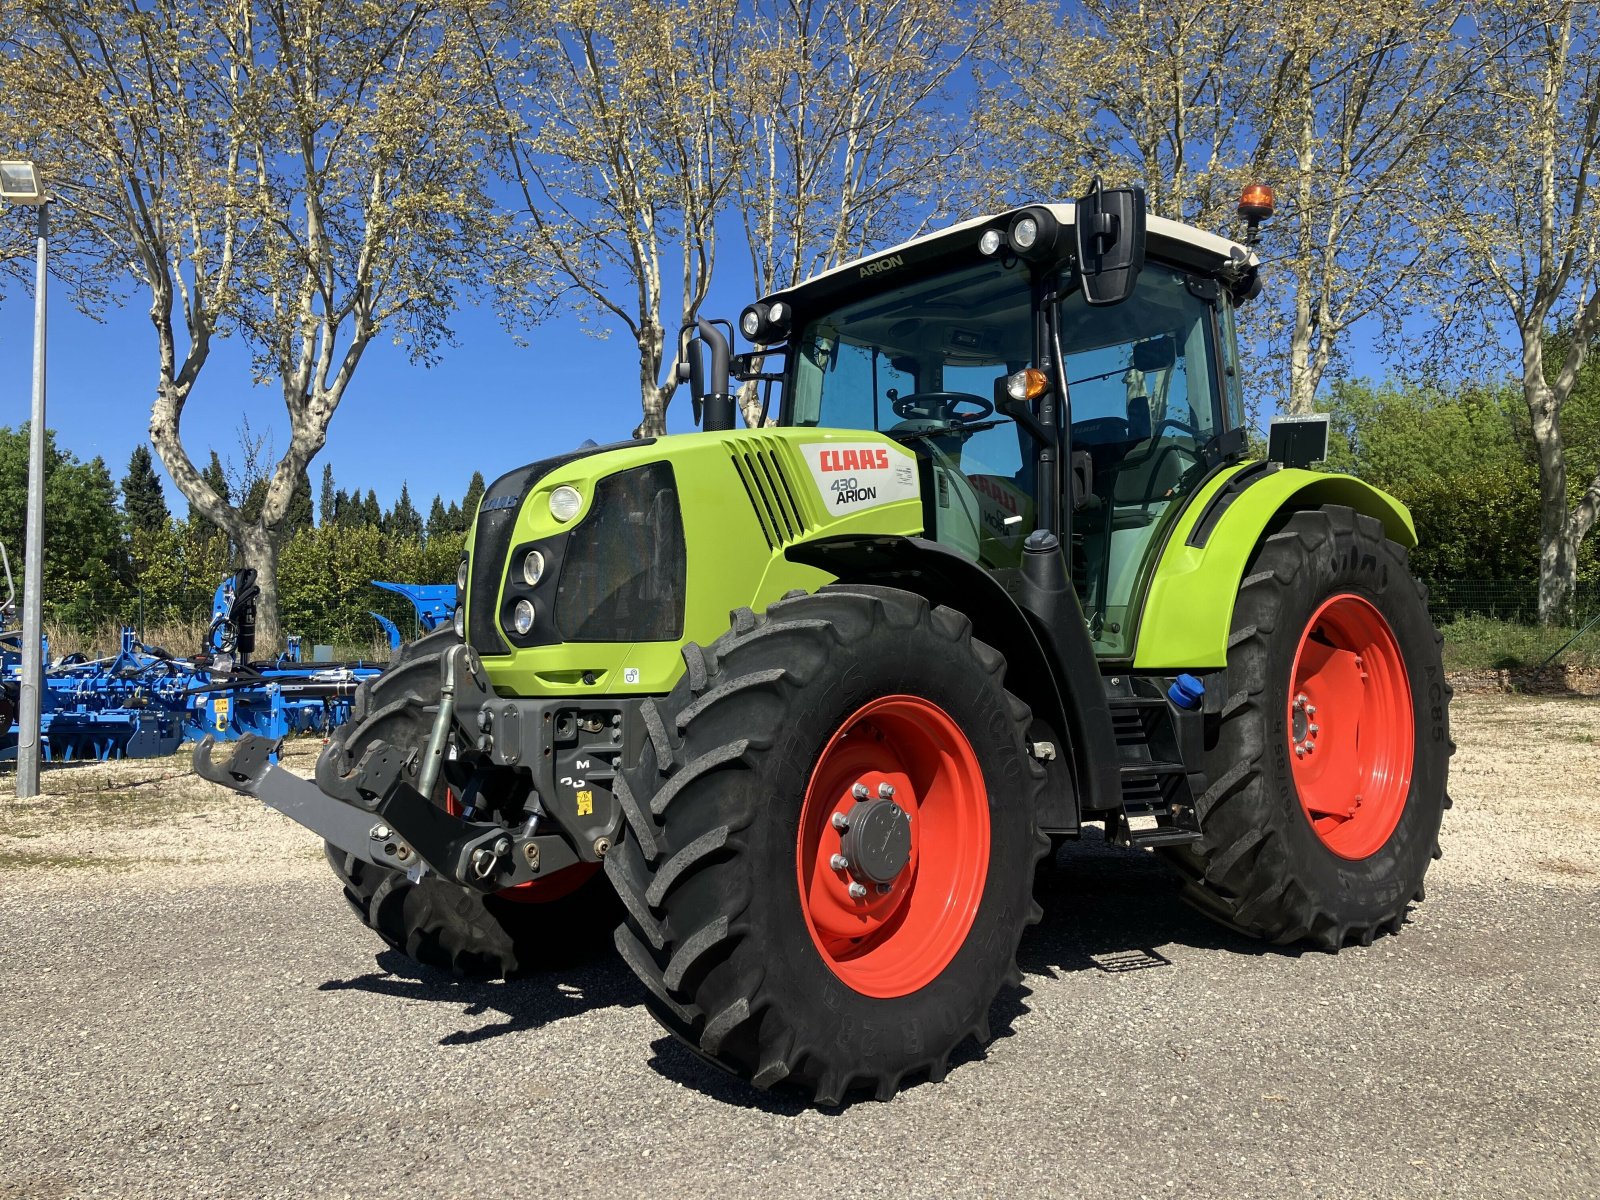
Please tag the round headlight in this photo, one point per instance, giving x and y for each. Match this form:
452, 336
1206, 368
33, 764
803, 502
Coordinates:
460, 622
778, 314
1025, 233
461, 576
990, 242
533, 568
565, 503
522, 617
750, 322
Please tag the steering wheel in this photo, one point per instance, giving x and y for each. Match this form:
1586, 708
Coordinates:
941, 406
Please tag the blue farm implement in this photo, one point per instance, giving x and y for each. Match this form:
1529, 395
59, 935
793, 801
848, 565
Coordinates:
143, 701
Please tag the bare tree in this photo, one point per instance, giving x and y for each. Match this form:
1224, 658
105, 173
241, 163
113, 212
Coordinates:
301, 173
611, 122
853, 137
1349, 126
1159, 92
1517, 198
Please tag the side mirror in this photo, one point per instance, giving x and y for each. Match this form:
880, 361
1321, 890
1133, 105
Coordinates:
1110, 230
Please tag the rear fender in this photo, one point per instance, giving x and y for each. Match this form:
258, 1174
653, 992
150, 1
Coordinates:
1188, 610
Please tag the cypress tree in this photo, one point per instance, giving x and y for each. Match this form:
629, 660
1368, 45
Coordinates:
299, 515
142, 499
328, 502
404, 521
438, 518
469, 506
217, 479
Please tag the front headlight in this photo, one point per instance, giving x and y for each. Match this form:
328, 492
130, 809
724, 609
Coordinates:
460, 622
533, 568
565, 502
461, 577
522, 617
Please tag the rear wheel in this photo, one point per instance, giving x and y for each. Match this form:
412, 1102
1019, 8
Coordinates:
441, 924
831, 843
1329, 770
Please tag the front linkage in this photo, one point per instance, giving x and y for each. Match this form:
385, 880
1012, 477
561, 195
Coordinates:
442, 775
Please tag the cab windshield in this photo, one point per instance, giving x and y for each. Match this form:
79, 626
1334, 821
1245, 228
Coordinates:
921, 363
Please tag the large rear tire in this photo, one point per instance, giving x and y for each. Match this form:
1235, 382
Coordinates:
1328, 774
442, 925
856, 723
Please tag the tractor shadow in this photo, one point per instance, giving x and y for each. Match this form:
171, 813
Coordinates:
1110, 909
1106, 909
526, 1003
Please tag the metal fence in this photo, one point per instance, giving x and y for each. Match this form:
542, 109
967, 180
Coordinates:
1505, 599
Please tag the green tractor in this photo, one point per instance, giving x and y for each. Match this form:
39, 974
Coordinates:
806, 704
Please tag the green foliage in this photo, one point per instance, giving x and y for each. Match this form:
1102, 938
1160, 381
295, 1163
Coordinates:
85, 565
469, 506
299, 515
143, 502
1475, 643
1462, 462
327, 500
403, 520
217, 480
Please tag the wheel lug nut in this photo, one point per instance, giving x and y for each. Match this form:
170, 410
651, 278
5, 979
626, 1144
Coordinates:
1299, 751
839, 862
858, 891
885, 791
1313, 729
860, 791
1311, 710
840, 823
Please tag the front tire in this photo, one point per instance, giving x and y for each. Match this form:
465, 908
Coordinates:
1329, 770
758, 947
465, 932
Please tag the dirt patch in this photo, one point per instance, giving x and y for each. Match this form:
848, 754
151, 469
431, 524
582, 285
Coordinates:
146, 815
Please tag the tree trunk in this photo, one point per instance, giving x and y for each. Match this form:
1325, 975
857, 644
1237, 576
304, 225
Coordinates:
1558, 558
653, 397
260, 550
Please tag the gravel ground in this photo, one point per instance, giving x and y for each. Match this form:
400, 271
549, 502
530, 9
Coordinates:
189, 1009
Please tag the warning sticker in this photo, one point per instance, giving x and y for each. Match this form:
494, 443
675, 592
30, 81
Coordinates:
857, 475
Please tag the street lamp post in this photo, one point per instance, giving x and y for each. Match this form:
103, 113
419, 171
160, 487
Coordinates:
19, 184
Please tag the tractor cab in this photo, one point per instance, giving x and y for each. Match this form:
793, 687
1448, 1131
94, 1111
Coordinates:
1032, 401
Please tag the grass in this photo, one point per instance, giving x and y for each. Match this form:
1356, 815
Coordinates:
1484, 643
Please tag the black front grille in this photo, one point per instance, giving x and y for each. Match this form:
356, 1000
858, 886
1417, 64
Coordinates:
624, 568
497, 519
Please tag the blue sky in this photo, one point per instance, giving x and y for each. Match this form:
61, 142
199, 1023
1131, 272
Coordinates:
489, 405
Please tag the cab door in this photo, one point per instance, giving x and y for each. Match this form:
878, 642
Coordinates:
1144, 403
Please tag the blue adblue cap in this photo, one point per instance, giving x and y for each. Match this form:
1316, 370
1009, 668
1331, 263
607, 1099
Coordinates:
1186, 691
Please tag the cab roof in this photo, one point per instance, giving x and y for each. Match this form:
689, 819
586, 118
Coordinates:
1170, 241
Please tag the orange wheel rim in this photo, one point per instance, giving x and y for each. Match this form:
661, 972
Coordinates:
898, 787
1351, 727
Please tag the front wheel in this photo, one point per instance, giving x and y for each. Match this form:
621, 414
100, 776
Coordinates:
1329, 770
832, 843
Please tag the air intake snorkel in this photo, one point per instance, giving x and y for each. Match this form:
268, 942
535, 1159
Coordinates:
714, 407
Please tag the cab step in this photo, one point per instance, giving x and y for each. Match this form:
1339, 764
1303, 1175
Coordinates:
1158, 787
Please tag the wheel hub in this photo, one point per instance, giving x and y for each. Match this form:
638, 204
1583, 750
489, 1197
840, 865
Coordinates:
893, 845
876, 842
1303, 730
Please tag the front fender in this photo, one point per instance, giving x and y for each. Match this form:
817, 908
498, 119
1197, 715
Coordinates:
1188, 610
